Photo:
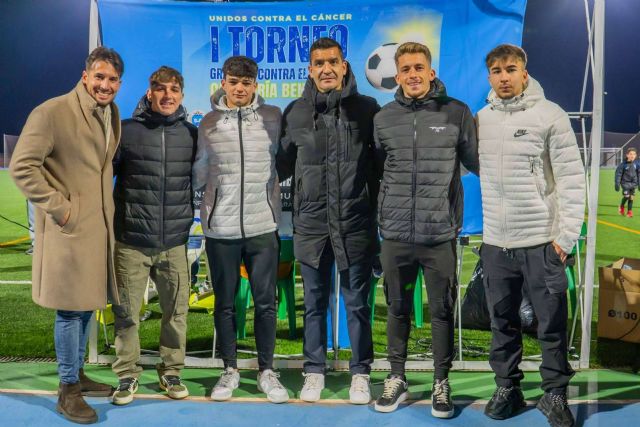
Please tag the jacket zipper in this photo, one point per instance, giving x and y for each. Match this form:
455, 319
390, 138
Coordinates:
326, 174
345, 144
241, 172
414, 175
162, 179
501, 178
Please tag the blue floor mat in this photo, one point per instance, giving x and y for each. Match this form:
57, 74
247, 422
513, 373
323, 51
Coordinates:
39, 410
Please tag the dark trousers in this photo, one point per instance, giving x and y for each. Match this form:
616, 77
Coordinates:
260, 257
400, 262
539, 269
355, 283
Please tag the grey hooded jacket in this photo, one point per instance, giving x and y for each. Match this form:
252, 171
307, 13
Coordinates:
236, 161
531, 172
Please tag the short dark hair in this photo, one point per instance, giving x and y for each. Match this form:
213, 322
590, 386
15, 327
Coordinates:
166, 74
504, 52
325, 43
105, 54
412, 47
240, 66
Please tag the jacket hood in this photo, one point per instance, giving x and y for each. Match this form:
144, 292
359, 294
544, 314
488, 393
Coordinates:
437, 91
219, 102
531, 95
144, 113
349, 88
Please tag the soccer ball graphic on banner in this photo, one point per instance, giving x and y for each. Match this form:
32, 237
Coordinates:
381, 67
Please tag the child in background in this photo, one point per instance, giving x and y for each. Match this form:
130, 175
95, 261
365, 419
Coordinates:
628, 177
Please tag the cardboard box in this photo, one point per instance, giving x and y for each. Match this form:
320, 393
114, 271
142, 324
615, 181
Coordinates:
619, 301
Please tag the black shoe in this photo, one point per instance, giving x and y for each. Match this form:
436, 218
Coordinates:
505, 403
394, 393
441, 403
556, 409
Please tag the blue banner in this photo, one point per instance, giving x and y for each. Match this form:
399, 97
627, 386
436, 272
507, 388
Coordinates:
196, 38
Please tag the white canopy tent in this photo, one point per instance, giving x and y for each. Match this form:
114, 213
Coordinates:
595, 18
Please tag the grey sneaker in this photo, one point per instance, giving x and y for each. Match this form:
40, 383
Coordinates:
268, 383
174, 386
127, 387
229, 381
360, 393
312, 388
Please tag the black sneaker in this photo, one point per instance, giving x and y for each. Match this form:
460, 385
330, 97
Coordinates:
556, 408
505, 403
395, 392
441, 404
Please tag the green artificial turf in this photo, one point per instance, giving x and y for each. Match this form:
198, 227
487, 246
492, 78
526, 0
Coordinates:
26, 329
14, 264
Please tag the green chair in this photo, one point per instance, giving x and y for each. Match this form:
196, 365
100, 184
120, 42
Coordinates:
417, 298
285, 288
569, 270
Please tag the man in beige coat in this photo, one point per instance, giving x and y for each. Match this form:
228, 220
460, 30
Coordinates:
62, 164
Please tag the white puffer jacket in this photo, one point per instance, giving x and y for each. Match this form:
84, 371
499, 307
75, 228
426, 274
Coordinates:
236, 160
531, 172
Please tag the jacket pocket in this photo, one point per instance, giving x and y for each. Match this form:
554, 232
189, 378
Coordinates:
273, 214
297, 200
538, 174
213, 208
68, 227
381, 207
555, 277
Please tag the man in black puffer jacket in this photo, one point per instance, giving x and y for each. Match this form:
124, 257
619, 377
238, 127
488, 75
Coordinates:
421, 138
328, 146
154, 212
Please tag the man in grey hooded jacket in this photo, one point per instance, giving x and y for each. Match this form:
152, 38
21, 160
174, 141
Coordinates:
237, 144
532, 180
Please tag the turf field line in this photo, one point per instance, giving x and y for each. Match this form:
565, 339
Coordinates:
619, 227
14, 242
15, 282
329, 402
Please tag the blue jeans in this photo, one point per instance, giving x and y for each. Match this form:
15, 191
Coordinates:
70, 335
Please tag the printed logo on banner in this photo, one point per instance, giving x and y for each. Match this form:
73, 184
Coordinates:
195, 117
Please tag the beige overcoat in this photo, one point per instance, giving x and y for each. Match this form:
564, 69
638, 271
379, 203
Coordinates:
61, 163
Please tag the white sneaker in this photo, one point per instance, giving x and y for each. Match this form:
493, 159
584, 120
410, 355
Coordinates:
268, 383
229, 381
359, 393
313, 385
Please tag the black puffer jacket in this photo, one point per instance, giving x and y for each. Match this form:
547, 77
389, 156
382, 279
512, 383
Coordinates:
419, 146
152, 195
627, 175
328, 145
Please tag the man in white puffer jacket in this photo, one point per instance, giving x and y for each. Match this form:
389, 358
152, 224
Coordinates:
237, 144
532, 179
